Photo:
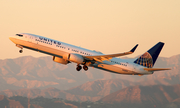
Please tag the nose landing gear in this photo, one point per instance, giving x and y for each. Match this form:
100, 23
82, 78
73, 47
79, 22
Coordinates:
20, 47
21, 51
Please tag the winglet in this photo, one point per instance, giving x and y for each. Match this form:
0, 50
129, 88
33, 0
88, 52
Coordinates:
133, 49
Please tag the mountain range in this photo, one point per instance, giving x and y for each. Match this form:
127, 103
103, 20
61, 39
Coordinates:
40, 102
90, 91
33, 77
30, 72
159, 96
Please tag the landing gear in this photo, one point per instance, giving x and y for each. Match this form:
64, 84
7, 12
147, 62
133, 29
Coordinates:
78, 68
85, 67
21, 51
20, 47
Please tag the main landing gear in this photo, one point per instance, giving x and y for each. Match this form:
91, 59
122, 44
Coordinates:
85, 67
80, 67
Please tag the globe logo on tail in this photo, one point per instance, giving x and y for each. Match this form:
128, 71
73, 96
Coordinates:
145, 60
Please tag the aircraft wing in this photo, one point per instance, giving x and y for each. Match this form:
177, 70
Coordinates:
156, 69
110, 56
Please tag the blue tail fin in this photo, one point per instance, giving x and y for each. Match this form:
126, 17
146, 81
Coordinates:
148, 59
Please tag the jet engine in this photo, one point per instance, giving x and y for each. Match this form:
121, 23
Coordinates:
74, 58
60, 60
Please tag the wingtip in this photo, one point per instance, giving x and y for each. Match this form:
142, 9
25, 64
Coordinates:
133, 49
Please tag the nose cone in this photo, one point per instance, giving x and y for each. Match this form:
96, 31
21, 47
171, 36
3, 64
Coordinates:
12, 39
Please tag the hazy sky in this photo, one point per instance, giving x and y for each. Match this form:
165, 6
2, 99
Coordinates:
109, 26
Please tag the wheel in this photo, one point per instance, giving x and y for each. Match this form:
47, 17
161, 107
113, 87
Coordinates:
78, 68
20, 51
85, 67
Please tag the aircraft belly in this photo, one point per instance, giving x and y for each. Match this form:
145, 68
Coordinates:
115, 69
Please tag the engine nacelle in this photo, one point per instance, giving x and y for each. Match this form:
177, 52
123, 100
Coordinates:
74, 58
60, 60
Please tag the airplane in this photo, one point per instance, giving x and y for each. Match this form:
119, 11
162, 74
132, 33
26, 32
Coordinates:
65, 53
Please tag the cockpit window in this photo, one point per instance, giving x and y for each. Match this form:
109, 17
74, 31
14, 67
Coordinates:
19, 35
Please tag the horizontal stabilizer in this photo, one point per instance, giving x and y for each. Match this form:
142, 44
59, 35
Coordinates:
156, 69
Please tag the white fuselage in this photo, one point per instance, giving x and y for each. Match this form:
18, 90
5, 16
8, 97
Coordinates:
58, 49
